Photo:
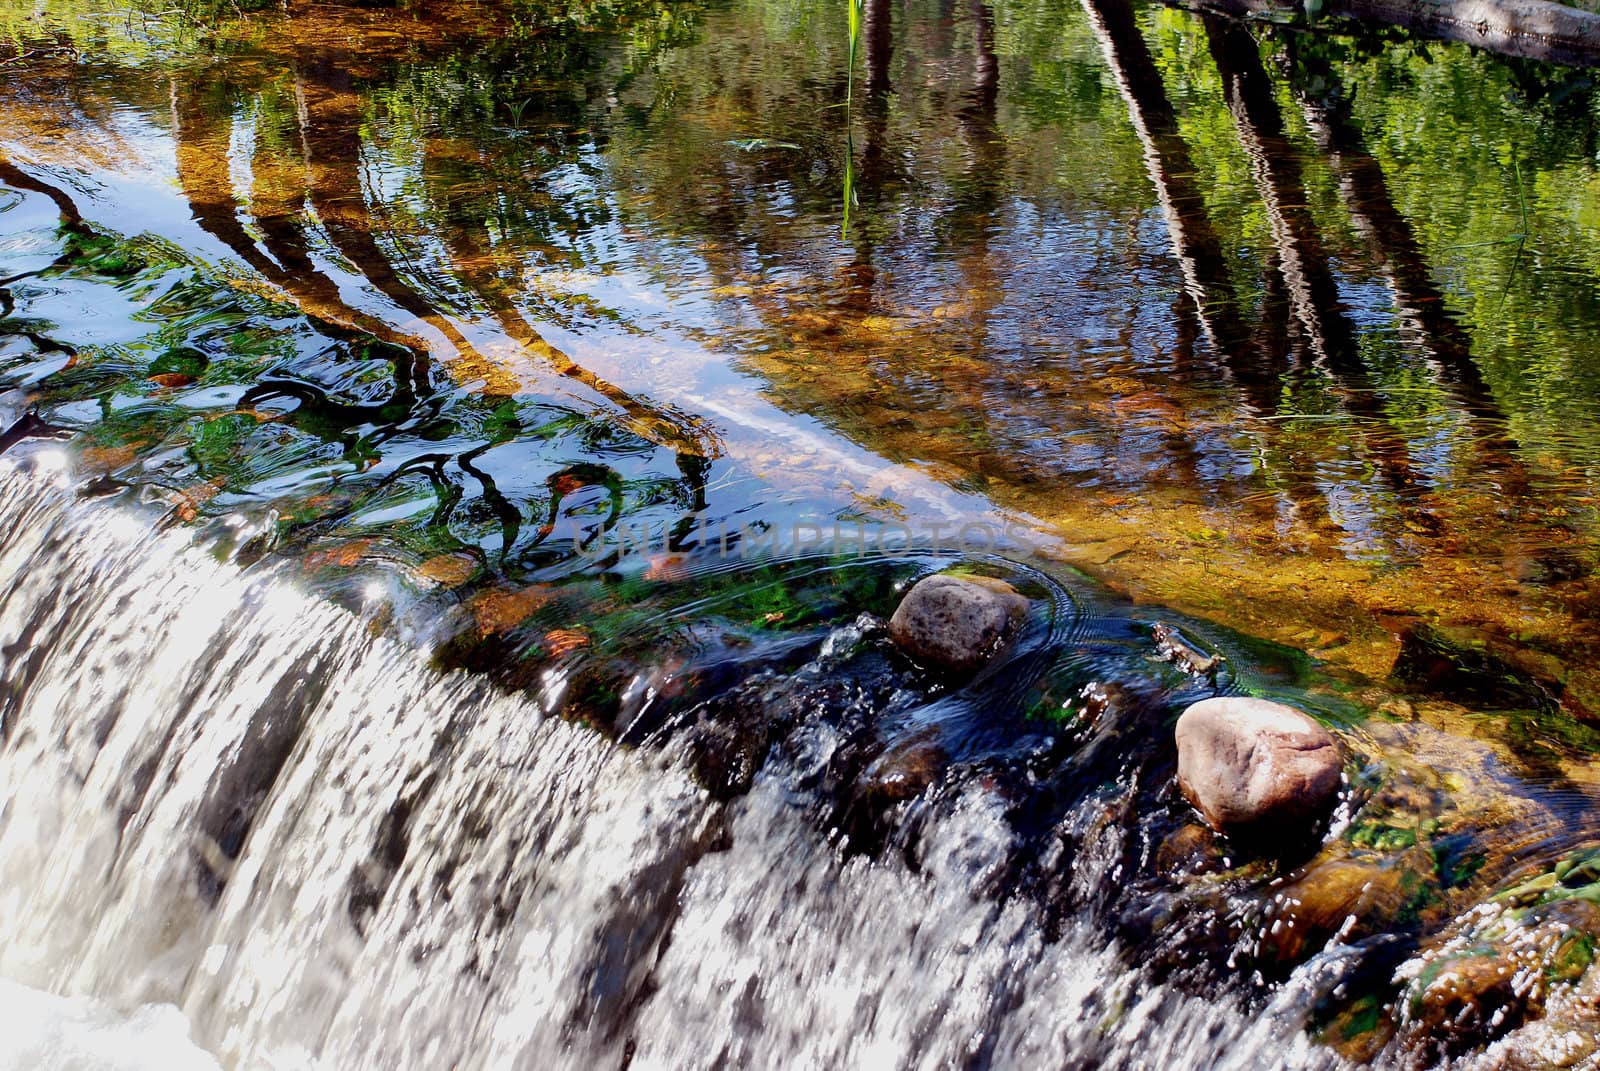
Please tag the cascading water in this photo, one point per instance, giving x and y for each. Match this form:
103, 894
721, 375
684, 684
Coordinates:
225, 795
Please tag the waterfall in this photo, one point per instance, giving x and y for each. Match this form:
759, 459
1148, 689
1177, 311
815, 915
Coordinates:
222, 794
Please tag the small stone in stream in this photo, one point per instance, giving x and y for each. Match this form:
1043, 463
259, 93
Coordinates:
956, 623
1254, 766
1547, 567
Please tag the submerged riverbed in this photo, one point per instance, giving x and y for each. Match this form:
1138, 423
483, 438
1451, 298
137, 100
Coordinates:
537, 344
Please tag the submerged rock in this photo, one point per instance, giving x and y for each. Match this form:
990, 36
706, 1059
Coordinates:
1250, 765
1345, 898
1476, 669
956, 623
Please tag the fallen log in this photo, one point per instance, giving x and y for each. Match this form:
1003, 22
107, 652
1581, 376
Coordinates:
1531, 29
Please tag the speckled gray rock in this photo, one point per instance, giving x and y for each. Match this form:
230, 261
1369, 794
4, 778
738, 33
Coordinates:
1250, 765
956, 623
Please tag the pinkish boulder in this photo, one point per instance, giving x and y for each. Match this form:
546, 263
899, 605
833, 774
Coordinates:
1251, 765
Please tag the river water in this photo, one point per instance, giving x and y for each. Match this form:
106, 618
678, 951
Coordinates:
472, 455
226, 796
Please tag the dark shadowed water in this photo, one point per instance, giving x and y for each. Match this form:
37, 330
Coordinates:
410, 404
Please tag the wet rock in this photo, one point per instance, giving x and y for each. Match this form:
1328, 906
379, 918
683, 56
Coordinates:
1190, 850
1251, 766
1568, 1035
1494, 969
1360, 1031
956, 623
1545, 1046
726, 756
727, 738
906, 769
1464, 1001
30, 426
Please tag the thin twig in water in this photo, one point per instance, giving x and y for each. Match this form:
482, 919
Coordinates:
36, 53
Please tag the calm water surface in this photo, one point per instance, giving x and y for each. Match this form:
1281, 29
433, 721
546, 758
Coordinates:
1284, 329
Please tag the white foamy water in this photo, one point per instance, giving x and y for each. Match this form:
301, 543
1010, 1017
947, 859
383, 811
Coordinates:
229, 813
44, 1032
